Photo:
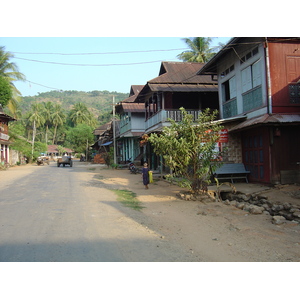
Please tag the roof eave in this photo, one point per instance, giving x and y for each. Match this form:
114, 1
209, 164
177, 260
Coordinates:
210, 67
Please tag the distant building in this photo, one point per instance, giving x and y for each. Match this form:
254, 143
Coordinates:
4, 137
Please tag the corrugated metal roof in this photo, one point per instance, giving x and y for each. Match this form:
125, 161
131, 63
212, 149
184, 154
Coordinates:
130, 107
179, 77
181, 72
53, 149
134, 91
165, 87
267, 119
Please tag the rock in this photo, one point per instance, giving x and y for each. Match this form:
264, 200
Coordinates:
296, 214
245, 197
181, 196
187, 197
240, 205
265, 206
256, 210
233, 203
277, 220
287, 206
247, 207
227, 202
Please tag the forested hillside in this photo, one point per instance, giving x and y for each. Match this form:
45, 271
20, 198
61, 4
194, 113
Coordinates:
98, 102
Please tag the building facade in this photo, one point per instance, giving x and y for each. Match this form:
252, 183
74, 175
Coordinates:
259, 99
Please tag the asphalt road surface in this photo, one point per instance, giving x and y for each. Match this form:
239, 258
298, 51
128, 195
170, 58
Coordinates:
56, 215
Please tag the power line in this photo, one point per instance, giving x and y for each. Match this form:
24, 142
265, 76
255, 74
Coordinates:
100, 53
87, 65
43, 85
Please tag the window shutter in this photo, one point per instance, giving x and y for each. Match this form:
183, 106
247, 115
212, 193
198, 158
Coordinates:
256, 70
246, 80
232, 87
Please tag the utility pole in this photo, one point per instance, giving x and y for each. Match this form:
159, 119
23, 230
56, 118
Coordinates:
114, 131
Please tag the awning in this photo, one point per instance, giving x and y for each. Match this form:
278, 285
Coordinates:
275, 119
106, 144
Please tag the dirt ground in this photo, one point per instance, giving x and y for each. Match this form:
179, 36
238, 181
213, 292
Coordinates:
210, 231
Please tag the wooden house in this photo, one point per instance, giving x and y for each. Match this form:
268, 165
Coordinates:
177, 85
4, 137
259, 99
131, 127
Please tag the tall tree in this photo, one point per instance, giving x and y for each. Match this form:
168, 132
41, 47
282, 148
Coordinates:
58, 118
37, 119
79, 114
48, 110
10, 72
5, 92
200, 50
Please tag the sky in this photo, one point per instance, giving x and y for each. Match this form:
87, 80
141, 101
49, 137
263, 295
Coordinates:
91, 63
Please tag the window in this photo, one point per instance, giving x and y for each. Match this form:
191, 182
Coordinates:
229, 89
251, 76
249, 55
227, 71
251, 87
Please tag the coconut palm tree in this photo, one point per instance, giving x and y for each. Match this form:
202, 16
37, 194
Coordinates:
79, 114
58, 118
10, 72
200, 50
37, 119
48, 111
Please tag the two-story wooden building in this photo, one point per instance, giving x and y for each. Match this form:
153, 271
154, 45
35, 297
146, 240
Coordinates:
259, 99
131, 127
4, 137
177, 85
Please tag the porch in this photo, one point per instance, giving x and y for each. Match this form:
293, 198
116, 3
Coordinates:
160, 118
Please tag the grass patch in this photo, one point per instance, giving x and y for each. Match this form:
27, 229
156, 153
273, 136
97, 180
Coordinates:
128, 199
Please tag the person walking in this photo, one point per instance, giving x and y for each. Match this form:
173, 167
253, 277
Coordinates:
145, 175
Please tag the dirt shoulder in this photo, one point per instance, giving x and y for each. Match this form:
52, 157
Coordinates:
211, 231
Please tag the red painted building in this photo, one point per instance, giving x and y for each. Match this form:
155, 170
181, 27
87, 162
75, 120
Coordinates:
259, 97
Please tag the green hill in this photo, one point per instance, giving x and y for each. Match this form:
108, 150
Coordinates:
98, 102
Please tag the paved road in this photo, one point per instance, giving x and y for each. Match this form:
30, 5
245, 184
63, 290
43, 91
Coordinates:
55, 214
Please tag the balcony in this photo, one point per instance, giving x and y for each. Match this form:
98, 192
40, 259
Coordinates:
158, 119
4, 136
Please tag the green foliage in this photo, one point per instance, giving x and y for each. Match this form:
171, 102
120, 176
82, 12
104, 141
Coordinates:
200, 50
109, 157
78, 137
128, 199
9, 70
61, 150
5, 91
188, 148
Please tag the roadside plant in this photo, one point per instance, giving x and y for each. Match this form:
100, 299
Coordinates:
189, 149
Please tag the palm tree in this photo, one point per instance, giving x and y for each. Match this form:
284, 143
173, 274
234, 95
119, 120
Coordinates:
58, 118
48, 110
37, 119
10, 72
79, 114
200, 50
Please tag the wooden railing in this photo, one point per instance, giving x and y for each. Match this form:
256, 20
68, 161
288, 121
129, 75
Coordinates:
163, 116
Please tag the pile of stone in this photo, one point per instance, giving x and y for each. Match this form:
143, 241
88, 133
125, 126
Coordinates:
259, 204
251, 203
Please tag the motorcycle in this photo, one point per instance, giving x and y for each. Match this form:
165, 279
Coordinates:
132, 168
